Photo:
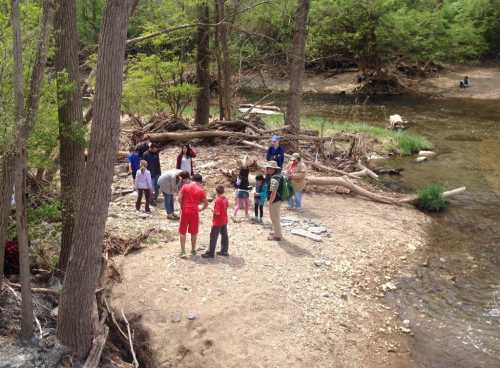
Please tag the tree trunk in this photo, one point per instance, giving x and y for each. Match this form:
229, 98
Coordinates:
297, 66
218, 58
25, 122
225, 59
6, 185
75, 325
70, 120
202, 66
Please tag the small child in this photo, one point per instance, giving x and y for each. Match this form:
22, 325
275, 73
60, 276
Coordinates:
143, 185
243, 192
219, 225
260, 196
134, 162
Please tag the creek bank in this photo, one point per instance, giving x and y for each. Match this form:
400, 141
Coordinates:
294, 303
485, 82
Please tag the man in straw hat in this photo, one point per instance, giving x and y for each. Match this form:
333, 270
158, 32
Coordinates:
274, 178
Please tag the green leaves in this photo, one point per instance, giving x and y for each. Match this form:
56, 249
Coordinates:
154, 85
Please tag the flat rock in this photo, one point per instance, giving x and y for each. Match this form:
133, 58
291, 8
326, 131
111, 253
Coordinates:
306, 234
421, 159
318, 230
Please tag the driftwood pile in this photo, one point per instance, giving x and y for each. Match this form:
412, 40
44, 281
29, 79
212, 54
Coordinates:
322, 154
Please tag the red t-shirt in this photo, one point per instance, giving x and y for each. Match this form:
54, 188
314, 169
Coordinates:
220, 211
192, 196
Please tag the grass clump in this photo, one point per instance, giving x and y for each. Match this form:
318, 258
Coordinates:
431, 199
403, 142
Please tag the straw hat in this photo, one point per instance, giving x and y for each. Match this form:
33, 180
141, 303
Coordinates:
270, 165
296, 156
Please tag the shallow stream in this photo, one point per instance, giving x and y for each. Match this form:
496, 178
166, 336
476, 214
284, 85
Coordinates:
450, 292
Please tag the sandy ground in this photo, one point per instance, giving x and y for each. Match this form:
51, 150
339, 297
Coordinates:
295, 303
485, 83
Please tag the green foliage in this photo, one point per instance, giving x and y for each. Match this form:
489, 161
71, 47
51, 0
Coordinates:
47, 212
409, 144
152, 85
403, 142
431, 199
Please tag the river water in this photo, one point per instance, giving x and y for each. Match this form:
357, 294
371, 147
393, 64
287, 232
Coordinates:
450, 292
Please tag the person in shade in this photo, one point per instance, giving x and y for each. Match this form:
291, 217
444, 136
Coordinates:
296, 172
190, 197
275, 152
219, 225
274, 180
185, 159
152, 157
142, 146
134, 162
144, 186
169, 183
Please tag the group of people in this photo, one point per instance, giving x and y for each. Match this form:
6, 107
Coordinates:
149, 181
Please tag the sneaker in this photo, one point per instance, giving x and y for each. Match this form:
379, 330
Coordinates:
223, 254
183, 255
207, 255
193, 252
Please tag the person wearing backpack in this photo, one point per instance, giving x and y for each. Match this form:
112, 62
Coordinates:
296, 173
275, 180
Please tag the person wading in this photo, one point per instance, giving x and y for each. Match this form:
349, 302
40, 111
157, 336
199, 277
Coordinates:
169, 184
274, 178
190, 197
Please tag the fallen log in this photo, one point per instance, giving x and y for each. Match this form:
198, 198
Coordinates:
314, 164
344, 182
448, 194
187, 136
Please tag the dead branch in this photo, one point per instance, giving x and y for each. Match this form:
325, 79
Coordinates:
132, 351
45, 291
254, 105
95, 353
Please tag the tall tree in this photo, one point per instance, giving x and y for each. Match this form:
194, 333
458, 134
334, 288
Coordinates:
224, 59
70, 119
25, 120
297, 66
75, 325
202, 65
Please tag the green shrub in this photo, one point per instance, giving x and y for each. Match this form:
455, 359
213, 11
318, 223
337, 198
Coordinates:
47, 212
431, 199
409, 144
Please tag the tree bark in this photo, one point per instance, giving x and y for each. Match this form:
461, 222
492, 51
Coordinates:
225, 60
202, 66
297, 66
75, 325
70, 120
6, 185
25, 122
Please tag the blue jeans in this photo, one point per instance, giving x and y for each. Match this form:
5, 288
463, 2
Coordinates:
154, 179
169, 203
295, 201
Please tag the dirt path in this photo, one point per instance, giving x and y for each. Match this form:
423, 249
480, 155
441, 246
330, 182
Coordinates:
296, 303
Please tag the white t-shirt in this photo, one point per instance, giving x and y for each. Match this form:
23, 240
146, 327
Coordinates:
186, 164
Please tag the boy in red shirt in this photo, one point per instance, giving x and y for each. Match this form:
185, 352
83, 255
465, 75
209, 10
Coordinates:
219, 225
190, 196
